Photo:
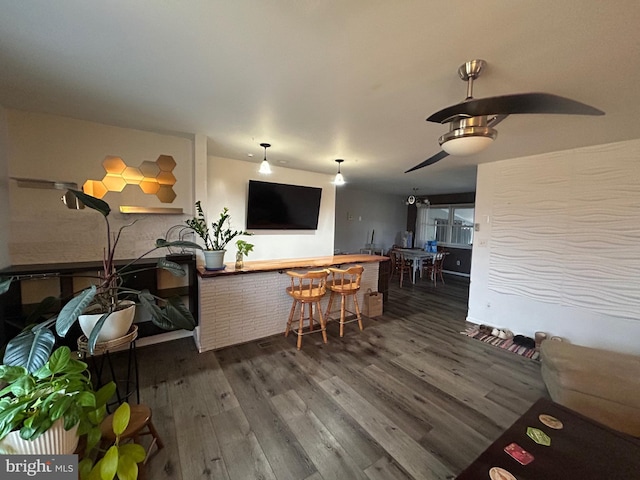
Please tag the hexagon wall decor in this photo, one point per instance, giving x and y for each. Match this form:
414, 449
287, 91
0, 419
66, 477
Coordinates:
153, 178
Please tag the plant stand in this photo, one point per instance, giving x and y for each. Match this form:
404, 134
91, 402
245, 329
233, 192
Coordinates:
102, 359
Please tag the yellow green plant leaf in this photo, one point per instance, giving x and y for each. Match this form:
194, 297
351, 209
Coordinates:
121, 418
127, 469
133, 450
109, 464
84, 468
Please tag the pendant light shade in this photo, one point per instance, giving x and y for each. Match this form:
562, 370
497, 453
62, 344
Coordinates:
339, 180
265, 168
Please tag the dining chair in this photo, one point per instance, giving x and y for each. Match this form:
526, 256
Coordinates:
434, 268
399, 265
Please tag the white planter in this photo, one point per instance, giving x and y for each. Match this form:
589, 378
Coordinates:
214, 259
116, 326
55, 441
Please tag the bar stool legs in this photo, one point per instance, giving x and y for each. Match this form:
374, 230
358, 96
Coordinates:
343, 310
301, 322
307, 289
345, 283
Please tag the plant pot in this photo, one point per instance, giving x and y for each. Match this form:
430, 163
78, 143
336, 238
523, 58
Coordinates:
116, 326
55, 441
214, 259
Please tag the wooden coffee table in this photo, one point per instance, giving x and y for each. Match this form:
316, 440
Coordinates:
581, 449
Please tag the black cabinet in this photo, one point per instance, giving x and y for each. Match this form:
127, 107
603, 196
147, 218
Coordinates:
62, 280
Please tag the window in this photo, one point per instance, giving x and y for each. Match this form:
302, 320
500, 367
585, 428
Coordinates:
447, 224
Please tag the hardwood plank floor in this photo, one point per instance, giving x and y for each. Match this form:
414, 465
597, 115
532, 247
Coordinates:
407, 398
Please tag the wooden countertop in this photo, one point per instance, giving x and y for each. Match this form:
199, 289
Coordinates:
291, 263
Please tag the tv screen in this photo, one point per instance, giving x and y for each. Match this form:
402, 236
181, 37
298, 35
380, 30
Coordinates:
276, 206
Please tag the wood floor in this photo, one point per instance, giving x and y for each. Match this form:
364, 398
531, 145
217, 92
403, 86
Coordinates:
407, 398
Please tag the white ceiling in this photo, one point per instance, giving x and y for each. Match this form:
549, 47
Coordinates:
327, 79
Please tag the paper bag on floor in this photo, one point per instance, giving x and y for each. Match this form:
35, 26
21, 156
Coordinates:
372, 304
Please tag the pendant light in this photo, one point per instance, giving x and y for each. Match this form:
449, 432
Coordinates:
339, 180
265, 168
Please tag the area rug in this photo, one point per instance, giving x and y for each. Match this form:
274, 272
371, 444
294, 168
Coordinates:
508, 344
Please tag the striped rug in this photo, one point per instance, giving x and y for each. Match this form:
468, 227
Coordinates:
508, 344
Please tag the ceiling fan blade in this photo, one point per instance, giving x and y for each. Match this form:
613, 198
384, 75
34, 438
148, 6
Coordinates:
430, 161
496, 120
517, 103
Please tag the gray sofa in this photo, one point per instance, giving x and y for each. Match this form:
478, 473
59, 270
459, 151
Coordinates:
600, 384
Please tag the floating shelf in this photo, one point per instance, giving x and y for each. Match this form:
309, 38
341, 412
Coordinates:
154, 210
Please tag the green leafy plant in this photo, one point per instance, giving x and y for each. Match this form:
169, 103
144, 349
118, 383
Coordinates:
119, 459
61, 388
32, 347
244, 247
220, 233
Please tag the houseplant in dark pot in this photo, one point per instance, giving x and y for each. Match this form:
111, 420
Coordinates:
107, 296
215, 239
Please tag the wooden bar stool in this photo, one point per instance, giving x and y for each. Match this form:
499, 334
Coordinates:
307, 288
345, 283
139, 425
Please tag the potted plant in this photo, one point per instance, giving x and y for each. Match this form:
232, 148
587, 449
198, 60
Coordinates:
243, 249
119, 458
47, 410
106, 300
215, 239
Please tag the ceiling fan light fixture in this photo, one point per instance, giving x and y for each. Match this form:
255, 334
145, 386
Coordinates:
265, 168
467, 145
468, 136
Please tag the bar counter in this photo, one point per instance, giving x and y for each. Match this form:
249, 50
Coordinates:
291, 263
238, 306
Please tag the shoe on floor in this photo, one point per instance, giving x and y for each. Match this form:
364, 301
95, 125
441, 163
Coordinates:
524, 341
505, 334
485, 329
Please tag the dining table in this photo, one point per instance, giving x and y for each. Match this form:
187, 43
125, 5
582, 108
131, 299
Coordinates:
417, 256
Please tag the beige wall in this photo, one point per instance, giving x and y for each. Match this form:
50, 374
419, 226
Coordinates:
228, 182
360, 213
5, 259
558, 246
48, 147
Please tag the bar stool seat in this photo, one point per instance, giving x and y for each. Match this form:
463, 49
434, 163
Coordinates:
346, 283
307, 288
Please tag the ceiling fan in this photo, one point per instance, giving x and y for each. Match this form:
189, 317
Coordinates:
472, 122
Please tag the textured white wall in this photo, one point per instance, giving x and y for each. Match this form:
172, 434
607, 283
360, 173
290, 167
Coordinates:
5, 259
559, 246
48, 147
359, 213
228, 184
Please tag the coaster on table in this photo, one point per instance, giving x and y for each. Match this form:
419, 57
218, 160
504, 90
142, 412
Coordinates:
518, 453
551, 422
497, 473
539, 436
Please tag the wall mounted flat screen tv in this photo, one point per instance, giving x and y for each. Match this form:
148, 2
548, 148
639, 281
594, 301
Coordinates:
277, 206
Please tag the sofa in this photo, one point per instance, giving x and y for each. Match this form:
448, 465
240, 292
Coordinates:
600, 384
